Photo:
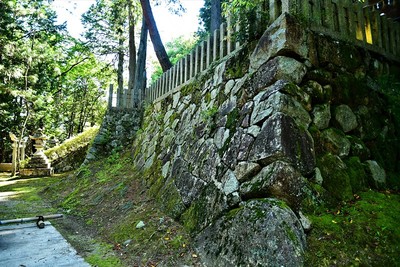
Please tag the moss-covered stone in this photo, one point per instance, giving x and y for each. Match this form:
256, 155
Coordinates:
335, 141
356, 173
336, 177
232, 119
171, 201
203, 211
223, 243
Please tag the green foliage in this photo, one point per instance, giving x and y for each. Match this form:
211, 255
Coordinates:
49, 79
205, 19
208, 115
176, 50
249, 16
364, 232
106, 23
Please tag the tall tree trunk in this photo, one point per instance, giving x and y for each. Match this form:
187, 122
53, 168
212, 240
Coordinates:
215, 21
132, 56
155, 36
140, 75
120, 72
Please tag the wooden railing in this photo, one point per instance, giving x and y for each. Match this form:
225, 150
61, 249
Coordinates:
355, 23
215, 47
123, 99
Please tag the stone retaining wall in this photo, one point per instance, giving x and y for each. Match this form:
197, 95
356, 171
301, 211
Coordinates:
116, 132
272, 131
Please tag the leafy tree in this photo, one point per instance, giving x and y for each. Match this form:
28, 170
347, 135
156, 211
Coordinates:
106, 24
176, 49
29, 54
247, 16
38, 72
210, 17
81, 98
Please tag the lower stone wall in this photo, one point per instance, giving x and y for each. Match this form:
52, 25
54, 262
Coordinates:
71, 153
117, 131
238, 155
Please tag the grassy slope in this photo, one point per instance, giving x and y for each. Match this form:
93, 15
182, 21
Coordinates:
108, 200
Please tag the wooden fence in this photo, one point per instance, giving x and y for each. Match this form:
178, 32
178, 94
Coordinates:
357, 23
216, 46
121, 99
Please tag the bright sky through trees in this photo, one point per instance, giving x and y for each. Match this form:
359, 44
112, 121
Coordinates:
169, 25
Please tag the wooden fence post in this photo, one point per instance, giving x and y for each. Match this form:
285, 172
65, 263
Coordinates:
110, 96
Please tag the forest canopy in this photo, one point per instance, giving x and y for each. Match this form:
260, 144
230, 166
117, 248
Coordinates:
48, 79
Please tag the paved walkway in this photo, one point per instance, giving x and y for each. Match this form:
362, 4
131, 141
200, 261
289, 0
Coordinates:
25, 245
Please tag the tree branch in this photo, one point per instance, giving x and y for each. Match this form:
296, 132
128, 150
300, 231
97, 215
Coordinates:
72, 66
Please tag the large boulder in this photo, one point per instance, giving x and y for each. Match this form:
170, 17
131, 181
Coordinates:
262, 232
376, 174
279, 180
322, 116
345, 118
279, 68
335, 142
281, 138
279, 102
284, 36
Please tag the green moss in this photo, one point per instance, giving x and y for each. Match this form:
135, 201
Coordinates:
336, 178
178, 242
171, 200
190, 218
209, 114
232, 119
236, 67
153, 178
103, 257
72, 144
234, 72
193, 87
23, 191
289, 233
195, 215
208, 97
364, 232
350, 90
232, 213
172, 118
356, 174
